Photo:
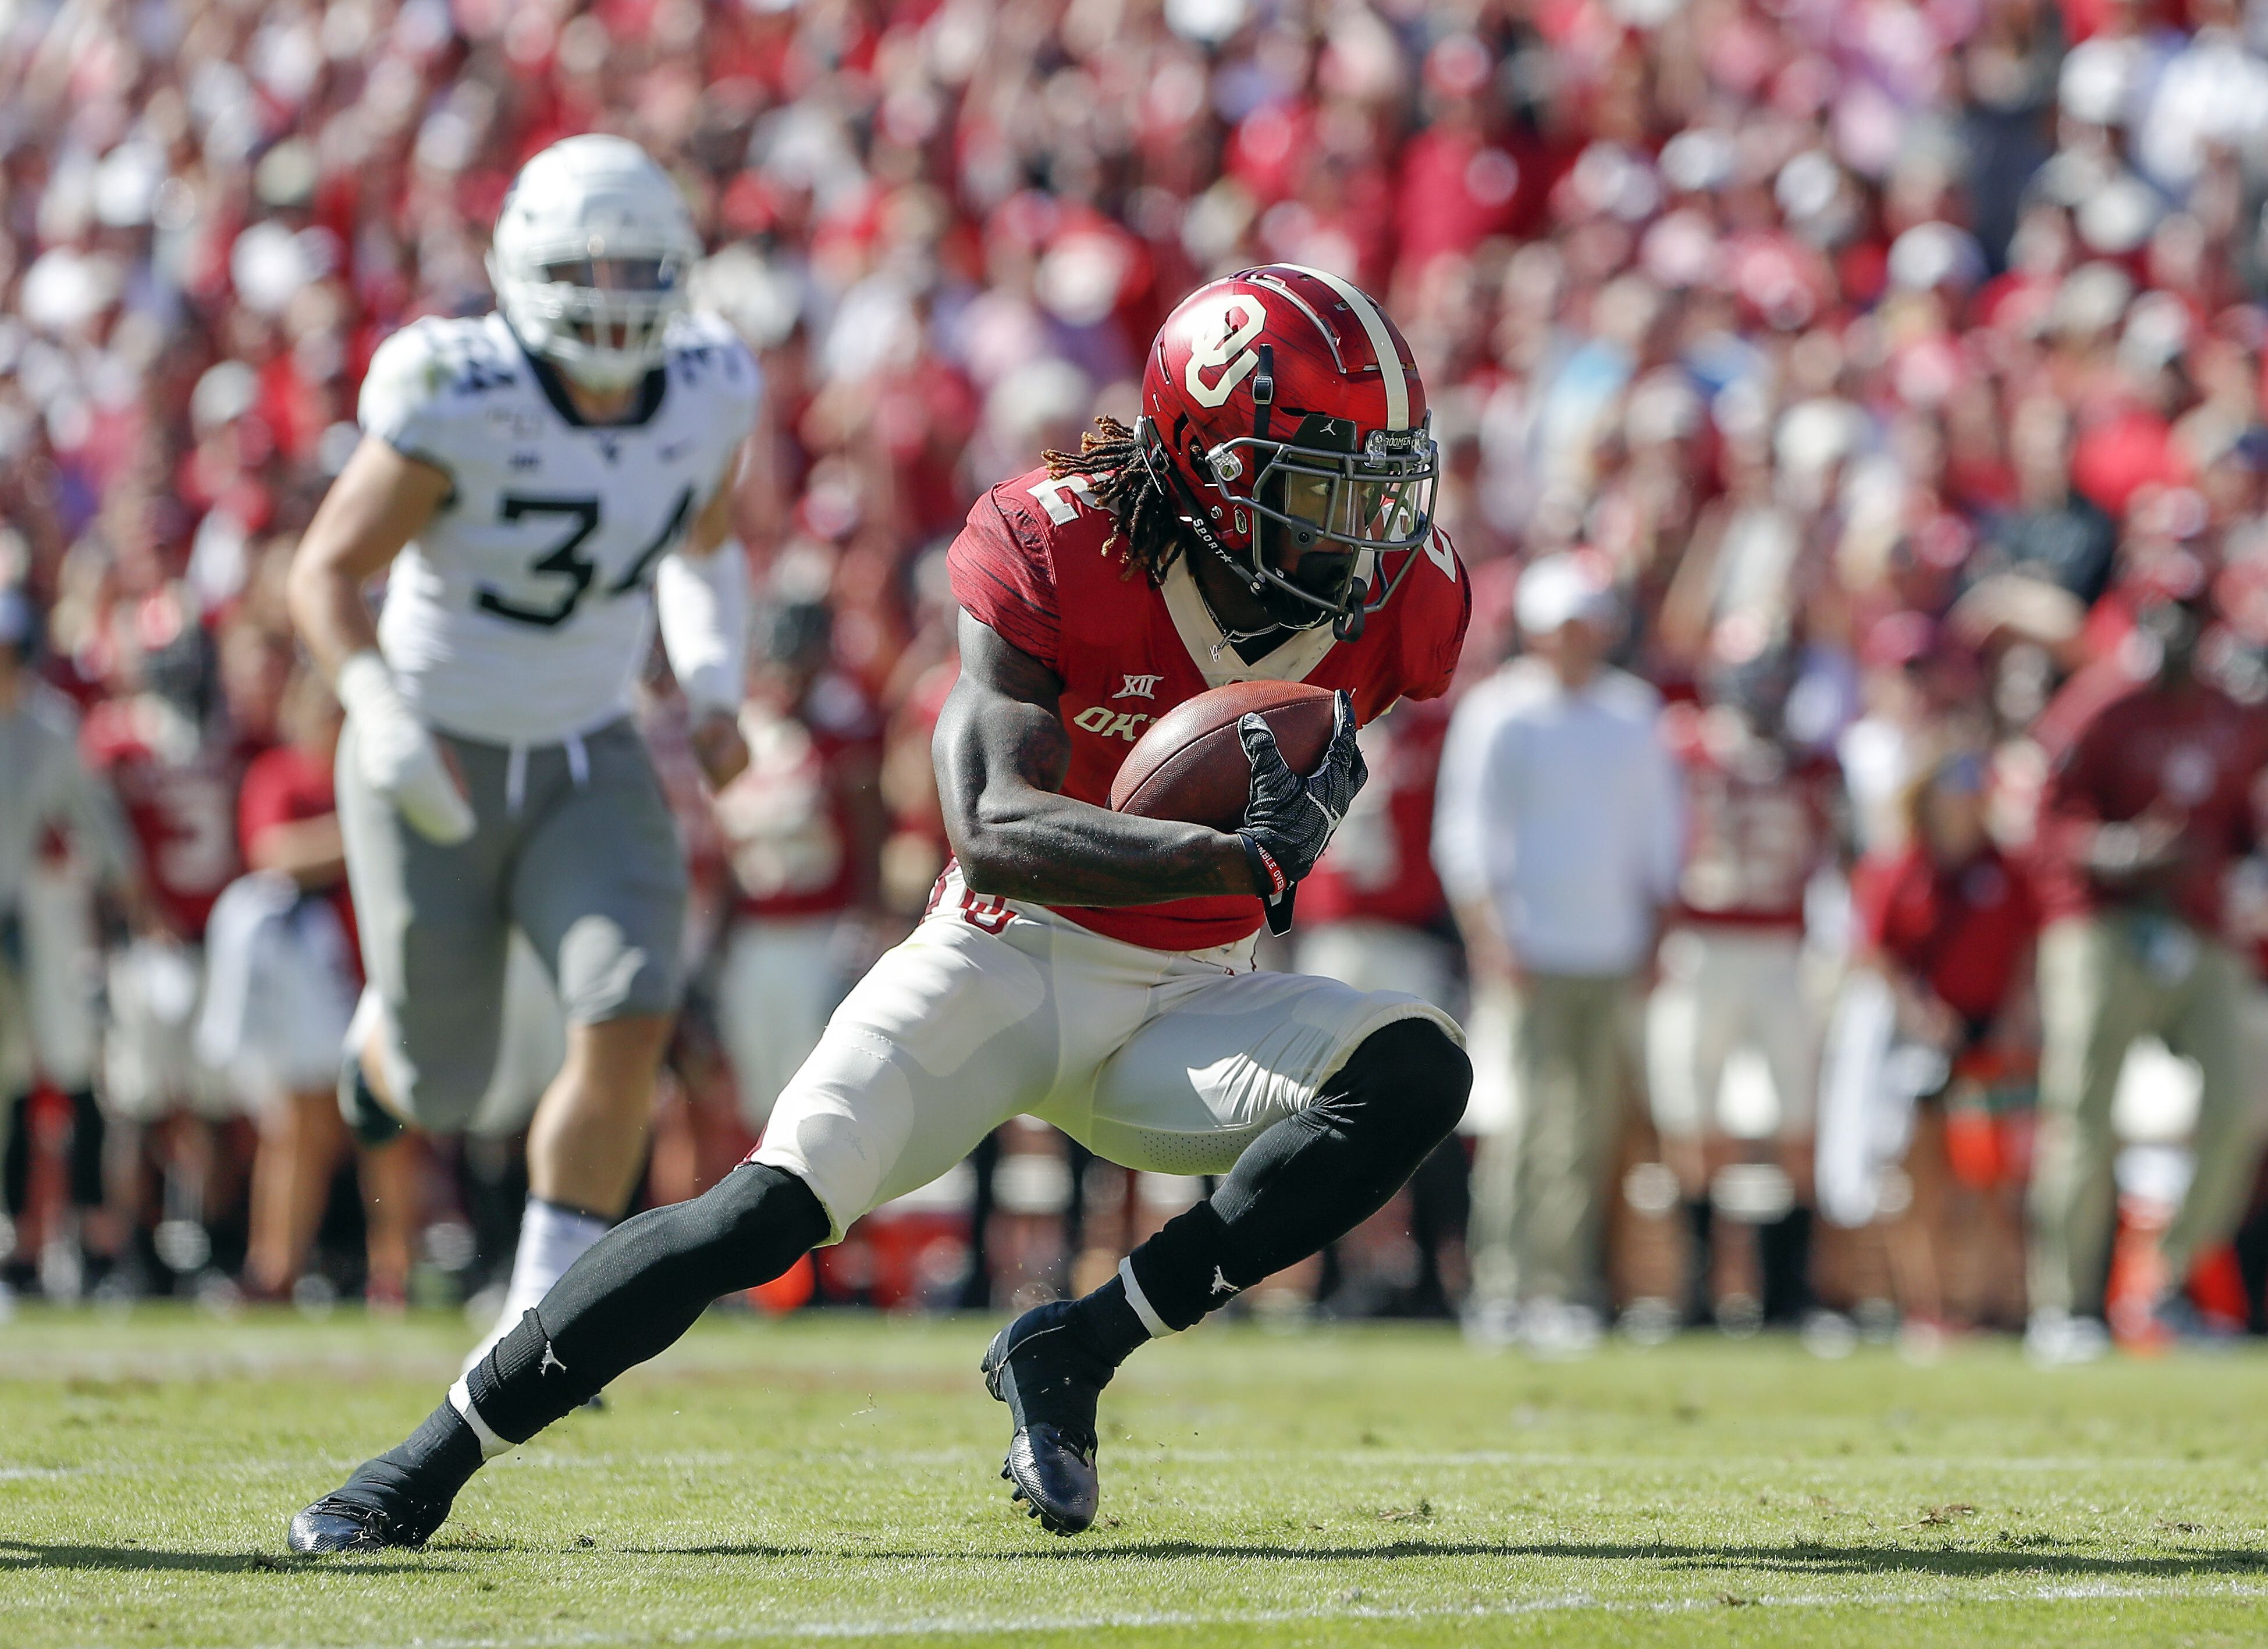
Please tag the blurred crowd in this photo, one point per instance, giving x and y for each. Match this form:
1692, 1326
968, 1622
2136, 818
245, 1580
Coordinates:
1875, 363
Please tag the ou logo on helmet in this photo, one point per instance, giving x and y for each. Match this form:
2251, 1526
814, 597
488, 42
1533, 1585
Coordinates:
1222, 337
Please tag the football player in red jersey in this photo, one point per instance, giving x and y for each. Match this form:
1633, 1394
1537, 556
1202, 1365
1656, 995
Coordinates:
1268, 517
175, 764
1765, 813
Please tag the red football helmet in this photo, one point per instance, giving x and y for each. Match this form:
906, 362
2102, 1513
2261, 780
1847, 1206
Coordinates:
1283, 396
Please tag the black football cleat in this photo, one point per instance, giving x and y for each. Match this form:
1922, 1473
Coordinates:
336, 1524
1049, 1382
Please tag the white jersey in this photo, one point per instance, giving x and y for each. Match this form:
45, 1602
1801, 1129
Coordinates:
522, 613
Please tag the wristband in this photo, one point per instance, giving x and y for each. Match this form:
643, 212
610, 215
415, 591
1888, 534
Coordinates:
702, 602
366, 686
1268, 878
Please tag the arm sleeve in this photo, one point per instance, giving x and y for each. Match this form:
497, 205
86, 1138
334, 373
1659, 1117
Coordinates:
405, 398
702, 603
1464, 855
1003, 577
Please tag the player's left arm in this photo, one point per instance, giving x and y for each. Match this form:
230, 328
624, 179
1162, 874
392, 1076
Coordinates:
700, 594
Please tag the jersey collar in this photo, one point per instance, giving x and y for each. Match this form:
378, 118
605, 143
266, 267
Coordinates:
1209, 651
650, 390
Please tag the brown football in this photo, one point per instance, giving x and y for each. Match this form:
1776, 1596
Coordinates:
1191, 766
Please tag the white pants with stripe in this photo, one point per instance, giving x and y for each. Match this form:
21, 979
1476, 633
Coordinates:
1160, 1061
1722, 988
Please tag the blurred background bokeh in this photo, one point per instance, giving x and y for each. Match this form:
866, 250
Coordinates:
1884, 351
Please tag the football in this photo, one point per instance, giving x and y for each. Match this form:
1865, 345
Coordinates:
1191, 766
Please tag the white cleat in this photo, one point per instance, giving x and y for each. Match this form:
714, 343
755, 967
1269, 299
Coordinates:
2056, 1339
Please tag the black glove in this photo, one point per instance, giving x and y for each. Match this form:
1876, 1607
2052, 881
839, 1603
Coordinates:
1288, 820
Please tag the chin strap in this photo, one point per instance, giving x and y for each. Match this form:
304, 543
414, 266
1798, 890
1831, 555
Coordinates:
1191, 513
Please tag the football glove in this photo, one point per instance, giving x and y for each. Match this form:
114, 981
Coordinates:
1288, 820
398, 757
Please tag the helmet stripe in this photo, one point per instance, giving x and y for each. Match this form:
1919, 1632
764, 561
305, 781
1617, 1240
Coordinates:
1381, 342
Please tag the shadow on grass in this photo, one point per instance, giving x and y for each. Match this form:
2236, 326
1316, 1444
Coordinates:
23, 1553
2032, 1556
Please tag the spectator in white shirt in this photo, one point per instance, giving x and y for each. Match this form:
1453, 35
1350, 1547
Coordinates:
1558, 834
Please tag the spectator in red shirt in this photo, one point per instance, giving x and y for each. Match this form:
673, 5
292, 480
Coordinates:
1950, 922
2148, 806
296, 948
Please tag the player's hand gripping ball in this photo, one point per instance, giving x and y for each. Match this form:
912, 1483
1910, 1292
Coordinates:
1289, 820
1233, 758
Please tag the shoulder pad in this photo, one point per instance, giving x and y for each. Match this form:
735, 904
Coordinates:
427, 372
1050, 508
706, 353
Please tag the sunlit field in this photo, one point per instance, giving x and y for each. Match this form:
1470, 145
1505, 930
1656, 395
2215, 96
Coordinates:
836, 1477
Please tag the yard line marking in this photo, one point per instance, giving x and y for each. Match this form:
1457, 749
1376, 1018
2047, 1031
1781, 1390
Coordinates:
941, 1625
1780, 1467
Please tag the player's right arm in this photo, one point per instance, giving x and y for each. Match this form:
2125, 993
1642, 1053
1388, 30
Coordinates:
381, 500
1001, 753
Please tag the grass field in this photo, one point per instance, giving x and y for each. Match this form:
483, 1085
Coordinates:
831, 1479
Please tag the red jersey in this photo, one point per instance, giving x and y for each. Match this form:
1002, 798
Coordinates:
1966, 931
1380, 864
786, 819
1032, 565
2116, 746
179, 790
1760, 824
286, 785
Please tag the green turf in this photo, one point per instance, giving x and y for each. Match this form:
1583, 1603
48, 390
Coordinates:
836, 1478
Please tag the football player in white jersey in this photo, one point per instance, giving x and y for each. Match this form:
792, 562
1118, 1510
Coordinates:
536, 482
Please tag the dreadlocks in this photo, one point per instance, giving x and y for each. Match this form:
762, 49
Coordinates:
1142, 522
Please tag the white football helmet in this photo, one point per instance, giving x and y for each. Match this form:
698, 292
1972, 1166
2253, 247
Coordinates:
592, 257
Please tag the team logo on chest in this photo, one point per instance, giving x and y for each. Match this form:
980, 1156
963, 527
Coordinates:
1139, 687
1111, 724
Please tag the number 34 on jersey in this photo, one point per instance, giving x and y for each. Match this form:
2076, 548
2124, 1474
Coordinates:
521, 612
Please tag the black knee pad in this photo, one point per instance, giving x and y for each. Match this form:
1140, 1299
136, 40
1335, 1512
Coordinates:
1409, 1081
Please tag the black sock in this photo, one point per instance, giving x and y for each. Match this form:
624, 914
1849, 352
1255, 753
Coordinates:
1700, 1228
86, 1187
1107, 1322
1783, 1256
16, 1162
1307, 1181
414, 1482
638, 1290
